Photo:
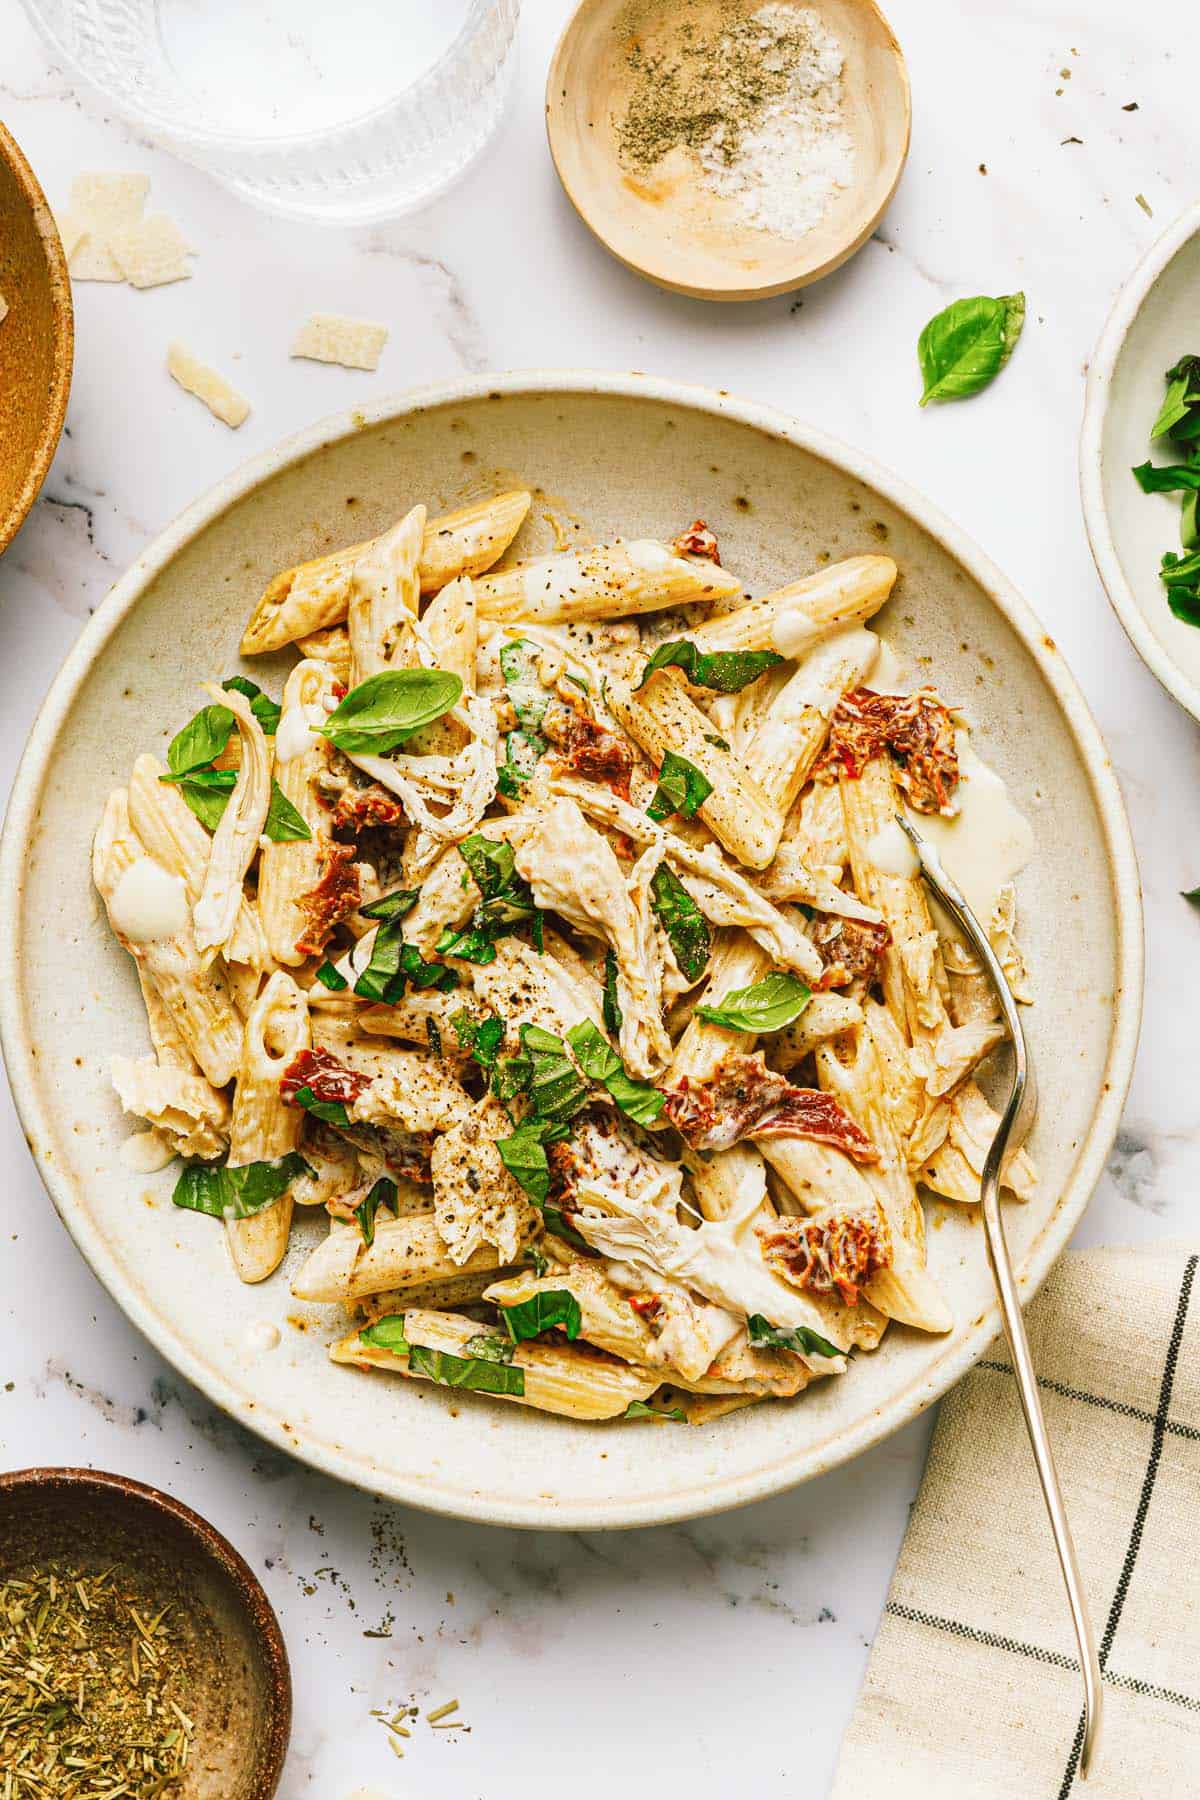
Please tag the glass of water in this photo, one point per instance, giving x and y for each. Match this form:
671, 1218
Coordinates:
343, 110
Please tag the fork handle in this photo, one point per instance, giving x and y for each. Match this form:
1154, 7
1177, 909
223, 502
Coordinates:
1043, 1456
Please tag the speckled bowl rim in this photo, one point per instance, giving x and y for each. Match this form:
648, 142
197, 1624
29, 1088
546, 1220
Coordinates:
1128, 304
114, 1490
63, 309
962, 1349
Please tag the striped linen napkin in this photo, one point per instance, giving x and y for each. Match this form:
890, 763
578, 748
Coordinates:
973, 1690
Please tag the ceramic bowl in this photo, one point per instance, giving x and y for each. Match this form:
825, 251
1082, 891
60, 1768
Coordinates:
37, 337
239, 1691
609, 453
665, 224
1155, 321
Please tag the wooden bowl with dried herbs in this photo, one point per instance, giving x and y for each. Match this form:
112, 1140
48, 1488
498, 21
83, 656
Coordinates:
729, 149
138, 1653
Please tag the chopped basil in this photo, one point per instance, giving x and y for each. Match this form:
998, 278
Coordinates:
207, 792
1189, 523
333, 1112
482, 1037
385, 710
797, 1338
557, 1224
1181, 578
470, 945
550, 1307
434, 1035
331, 978
285, 825
490, 1348
718, 743
584, 686
393, 906
474, 1372
200, 742
637, 1409
1168, 478
611, 1007
382, 1194
524, 1156
726, 671
521, 752
966, 345
225, 1193
685, 925
1179, 415
555, 1089
505, 901
518, 665
598, 1060
767, 1005
387, 1334
682, 789
261, 705
539, 1262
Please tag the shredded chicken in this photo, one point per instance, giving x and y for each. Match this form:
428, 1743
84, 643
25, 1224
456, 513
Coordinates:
475, 1199
191, 1114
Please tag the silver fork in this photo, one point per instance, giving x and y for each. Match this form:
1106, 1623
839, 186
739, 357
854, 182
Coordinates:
1015, 1121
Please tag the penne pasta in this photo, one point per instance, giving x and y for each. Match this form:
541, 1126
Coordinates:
795, 618
263, 1128
607, 581
315, 595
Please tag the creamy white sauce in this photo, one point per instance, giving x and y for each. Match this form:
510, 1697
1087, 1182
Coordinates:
792, 632
145, 1152
987, 843
888, 674
296, 727
148, 904
821, 679
652, 557
260, 1334
892, 853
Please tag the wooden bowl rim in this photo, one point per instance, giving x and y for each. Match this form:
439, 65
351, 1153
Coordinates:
804, 272
215, 1549
63, 320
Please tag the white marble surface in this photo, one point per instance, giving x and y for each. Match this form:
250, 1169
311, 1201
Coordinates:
728, 1653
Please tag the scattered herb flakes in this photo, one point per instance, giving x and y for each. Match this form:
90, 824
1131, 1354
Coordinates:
1145, 205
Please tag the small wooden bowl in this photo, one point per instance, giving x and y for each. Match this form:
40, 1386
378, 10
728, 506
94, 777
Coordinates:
239, 1690
666, 224
37, 338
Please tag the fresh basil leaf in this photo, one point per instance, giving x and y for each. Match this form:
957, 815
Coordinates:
1175, 407
225, 1193
519, 661
685, 925
488, 1347
611, 1007
393, 964
285, 825
201, 741
482, 1037
541, 1312
466, 1371
333, 1112
636, 1099
637, 1409
596, 1058
331, 978
524, 1156
1174, 478
965, 346
725, 671
767, 1005
207, 792
471, 944
506, 898
797, 1338
385, 710
682, 789
393, 906
1181, 578
261, 705
382, 1194
555, 1088
387, 1334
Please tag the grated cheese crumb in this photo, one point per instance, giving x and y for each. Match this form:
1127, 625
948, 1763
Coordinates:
221, 399
151, 251
355, 343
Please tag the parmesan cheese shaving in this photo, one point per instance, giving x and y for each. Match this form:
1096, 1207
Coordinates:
220, 397
354, 343
150, 252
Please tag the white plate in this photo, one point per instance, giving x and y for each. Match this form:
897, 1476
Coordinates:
1155, 321
615, 452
